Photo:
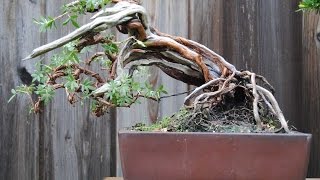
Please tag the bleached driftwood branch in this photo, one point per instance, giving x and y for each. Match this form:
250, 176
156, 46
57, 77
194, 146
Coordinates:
99, 24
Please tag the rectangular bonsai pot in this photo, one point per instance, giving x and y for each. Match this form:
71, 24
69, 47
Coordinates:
202, 156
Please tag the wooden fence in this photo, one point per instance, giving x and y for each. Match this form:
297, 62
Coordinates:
64, 142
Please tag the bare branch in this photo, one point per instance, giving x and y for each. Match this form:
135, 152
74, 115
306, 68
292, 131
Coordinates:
100, 24
93, 57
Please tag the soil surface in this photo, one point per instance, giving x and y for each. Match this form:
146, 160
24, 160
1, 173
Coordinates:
232, 114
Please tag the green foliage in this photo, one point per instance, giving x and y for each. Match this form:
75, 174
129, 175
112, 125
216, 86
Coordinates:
70, 83
45, 23
161, 125
57, 60
23, 89
107, 63
70, 54
73, 20
40, 75
173, 123
84, 6
46, 92
120, 93
93, 105
66, 70
87, 86
126, 90
110, 48
310, 5
71, 12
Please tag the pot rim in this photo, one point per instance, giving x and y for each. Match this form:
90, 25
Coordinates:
293, 133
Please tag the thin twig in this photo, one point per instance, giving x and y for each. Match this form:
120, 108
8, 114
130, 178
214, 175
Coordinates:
93, 57
177, 94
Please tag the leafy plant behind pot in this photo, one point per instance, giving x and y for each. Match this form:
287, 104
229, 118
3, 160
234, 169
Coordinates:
310, 5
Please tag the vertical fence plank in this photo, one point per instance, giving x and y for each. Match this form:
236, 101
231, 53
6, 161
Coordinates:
262, 36
66, 142
169, 16
75, 144
205, 25
18, 129
265, 37
311, 85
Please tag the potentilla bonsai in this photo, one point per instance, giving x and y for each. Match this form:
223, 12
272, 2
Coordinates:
226, 99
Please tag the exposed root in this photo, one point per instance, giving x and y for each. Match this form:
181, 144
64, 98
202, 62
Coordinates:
275, 106
226, 116
267, 103
255, 101
204, 97
199, 89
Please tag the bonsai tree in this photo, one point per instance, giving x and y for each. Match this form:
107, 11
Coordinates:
225, 96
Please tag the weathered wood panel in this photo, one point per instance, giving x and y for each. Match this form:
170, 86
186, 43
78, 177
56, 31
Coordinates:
18, 129
262, 36
78, 144
68, 143
169, 16
63, 142
310, 121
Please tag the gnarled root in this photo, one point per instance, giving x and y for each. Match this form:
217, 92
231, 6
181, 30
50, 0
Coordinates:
255, 97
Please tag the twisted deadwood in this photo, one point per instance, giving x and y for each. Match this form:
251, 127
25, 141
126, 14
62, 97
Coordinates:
180, 58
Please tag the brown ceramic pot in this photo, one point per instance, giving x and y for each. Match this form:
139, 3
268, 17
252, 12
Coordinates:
202, 156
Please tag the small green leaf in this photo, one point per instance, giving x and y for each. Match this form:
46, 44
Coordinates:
140, 43
71, 84
75, 23
110, 48
66, 21
106, 63
46, 92
45, 23
11, 98
87, 86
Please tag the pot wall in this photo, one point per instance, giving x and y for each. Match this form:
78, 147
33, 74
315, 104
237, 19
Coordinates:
152, 156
